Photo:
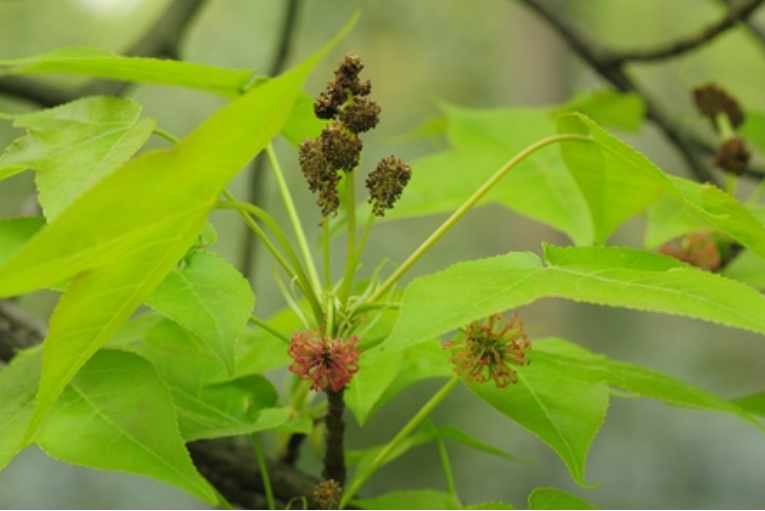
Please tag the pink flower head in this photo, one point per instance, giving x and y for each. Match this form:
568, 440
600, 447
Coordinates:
487, 351
328, 363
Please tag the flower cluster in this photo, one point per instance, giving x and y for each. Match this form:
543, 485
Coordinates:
712, 100
328, 363
698, 249
489, 349
386, 183
350, 112
327, 495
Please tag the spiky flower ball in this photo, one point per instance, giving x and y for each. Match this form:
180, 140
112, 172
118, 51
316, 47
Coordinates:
712, 100
733, 156
328, 363
489, 349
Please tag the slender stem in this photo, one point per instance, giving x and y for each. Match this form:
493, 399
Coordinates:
166, 135
269, 491
326, 250
350, 258
467, 205
451, 488
268, 328
413, 423
296, 270
731, 183
297, 226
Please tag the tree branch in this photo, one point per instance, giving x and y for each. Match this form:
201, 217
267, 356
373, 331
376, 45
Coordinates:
608, 65
732, 17
161, 40
255, 188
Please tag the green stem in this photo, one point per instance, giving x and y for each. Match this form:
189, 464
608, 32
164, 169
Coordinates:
166, 135
247, 210
467, 205
326, 250
268, 328
451, 488
731, 183
381, 457
263, 471
294, 218
350, 257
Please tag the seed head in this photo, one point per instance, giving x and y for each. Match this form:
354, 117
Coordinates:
340, 147
361, 115
327, 495
733, 156
386, 183
712, 100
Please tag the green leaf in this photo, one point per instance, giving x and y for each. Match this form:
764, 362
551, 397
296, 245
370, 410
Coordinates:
483, 140
14, 232
490, 505
18, 386
617, 277
754, 403
103, 64
73, 146
456, 434
117, 415
209, 405
553, 498
302, 122
409, 499
609, 107
122, 237
616, 181
564, 404
753, 129
748, 268
210, 298
377, 370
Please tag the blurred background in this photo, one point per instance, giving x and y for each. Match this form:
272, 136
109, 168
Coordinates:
478, 53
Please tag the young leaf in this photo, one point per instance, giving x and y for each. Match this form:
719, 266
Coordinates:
90, 424
71, 147
617, 277
490, 505
103, 64
553, 498
409, 499
209, 297
123, 236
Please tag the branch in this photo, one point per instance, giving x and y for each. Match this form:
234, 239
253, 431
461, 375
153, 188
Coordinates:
733, 16
255, 187
607, 64
161, 40
227, 464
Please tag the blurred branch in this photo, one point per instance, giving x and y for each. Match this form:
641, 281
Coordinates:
734, 15
256, 183
162, 39
228, 465
610, 65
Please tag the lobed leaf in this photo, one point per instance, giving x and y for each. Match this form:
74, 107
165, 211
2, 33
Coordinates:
73, 146
482, 141
618, 277
210, 298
